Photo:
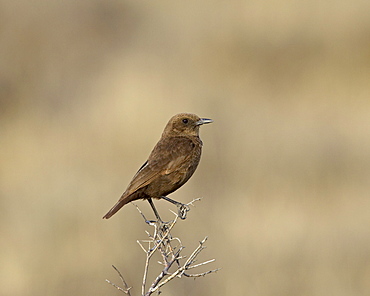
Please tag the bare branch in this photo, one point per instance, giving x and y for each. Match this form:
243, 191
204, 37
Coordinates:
127, 288
173, 263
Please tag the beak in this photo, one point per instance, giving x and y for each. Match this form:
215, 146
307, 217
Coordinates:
204, 121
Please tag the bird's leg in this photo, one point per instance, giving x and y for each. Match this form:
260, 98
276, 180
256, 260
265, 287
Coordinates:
154, 210
162, 225
183, 208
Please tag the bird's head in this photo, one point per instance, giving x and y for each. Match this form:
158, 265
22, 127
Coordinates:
185, 124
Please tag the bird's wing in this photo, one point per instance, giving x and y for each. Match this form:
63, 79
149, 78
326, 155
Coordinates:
166, 157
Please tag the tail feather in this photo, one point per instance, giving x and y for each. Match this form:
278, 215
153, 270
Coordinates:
116, 207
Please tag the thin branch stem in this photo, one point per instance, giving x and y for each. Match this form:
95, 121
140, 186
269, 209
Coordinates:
127, 288
170, 248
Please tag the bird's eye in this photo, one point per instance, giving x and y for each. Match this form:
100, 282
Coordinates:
185, 120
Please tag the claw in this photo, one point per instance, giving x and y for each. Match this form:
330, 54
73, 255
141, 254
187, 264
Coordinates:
183, 211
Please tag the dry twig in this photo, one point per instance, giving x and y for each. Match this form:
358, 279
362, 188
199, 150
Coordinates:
127, 288
170, 248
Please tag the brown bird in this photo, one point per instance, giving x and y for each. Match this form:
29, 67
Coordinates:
170, 164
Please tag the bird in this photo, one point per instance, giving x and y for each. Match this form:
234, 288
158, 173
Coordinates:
170, 164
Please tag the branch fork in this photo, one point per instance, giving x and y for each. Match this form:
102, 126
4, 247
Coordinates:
173, 263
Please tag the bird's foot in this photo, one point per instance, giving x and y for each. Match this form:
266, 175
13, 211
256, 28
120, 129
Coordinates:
183, 210
159, 222
159, 225
152, 222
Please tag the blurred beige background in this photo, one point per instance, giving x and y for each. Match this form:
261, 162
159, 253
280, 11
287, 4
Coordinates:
86, 88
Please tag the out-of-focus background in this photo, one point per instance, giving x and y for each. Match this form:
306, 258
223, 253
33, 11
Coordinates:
86, 88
